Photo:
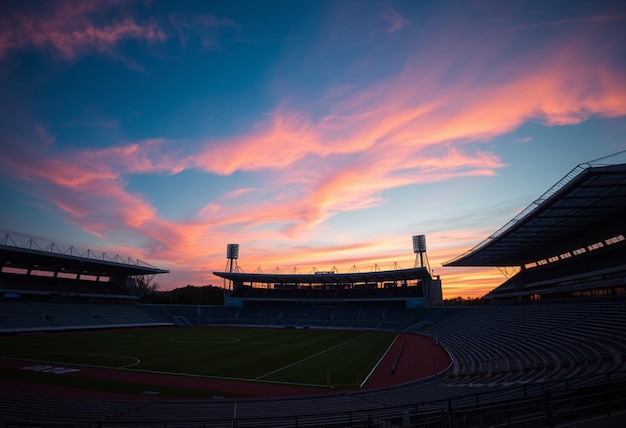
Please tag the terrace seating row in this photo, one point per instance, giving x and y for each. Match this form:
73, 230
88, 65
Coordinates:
33, 315
339, 292
370, 315
529, 343
20, 314
44, 409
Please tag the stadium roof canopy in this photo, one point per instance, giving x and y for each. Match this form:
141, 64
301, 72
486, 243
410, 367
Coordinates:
31, 256
587, 207
330, 278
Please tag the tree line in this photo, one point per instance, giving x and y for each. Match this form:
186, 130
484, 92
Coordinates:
189, 295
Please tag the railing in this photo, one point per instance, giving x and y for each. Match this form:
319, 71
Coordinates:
549, 404
575, 172
529, 209
30, 243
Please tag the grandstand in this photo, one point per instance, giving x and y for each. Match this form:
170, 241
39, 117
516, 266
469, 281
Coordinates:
548, 348
569, 243
353, 296
44, 287
406, 288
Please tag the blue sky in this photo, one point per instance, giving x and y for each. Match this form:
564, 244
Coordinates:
314, 134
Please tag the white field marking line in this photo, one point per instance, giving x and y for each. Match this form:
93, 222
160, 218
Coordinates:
128, 368
310, 356
136, 360
222, 341
298, 345
314, 385
378, 363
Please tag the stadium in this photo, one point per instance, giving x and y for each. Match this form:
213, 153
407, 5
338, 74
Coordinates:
330, 349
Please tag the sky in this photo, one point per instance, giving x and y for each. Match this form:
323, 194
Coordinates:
314, 134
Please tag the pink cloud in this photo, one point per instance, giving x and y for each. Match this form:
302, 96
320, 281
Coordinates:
360, 183
73, 29
277, 143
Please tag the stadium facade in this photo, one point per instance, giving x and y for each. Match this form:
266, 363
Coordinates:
411, 288
408, 288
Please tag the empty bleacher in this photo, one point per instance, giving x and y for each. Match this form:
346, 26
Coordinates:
24, 316
508, 352
330, 292
523, 343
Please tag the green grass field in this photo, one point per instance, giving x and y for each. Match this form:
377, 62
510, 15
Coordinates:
322, 358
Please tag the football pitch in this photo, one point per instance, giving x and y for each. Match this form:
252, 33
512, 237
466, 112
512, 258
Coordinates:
302, 357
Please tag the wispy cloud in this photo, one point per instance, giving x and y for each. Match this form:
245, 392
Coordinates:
594, 20
394, 20
276, 143
523, 140
73, 29
204, 30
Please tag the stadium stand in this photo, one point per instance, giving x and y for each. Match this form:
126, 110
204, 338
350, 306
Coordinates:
45, 288
569, 243
547, 349
413, 287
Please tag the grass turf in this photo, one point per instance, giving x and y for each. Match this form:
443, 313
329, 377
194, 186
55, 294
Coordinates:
340, 359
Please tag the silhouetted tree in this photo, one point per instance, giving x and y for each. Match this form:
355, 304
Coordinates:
145, 289
189, 295
467, 301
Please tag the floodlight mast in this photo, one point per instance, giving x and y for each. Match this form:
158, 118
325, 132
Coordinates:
419, 248
232, 254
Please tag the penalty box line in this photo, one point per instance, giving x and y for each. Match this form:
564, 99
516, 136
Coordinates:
310, 356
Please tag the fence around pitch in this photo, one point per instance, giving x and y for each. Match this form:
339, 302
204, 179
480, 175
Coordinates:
548, 404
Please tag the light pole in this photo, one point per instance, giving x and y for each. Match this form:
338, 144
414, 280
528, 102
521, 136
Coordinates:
200, 293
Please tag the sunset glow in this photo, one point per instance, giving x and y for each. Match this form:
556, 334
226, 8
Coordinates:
314, 134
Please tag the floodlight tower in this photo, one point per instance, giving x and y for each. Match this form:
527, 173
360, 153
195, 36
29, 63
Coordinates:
419, 248
232, 254
432, 284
